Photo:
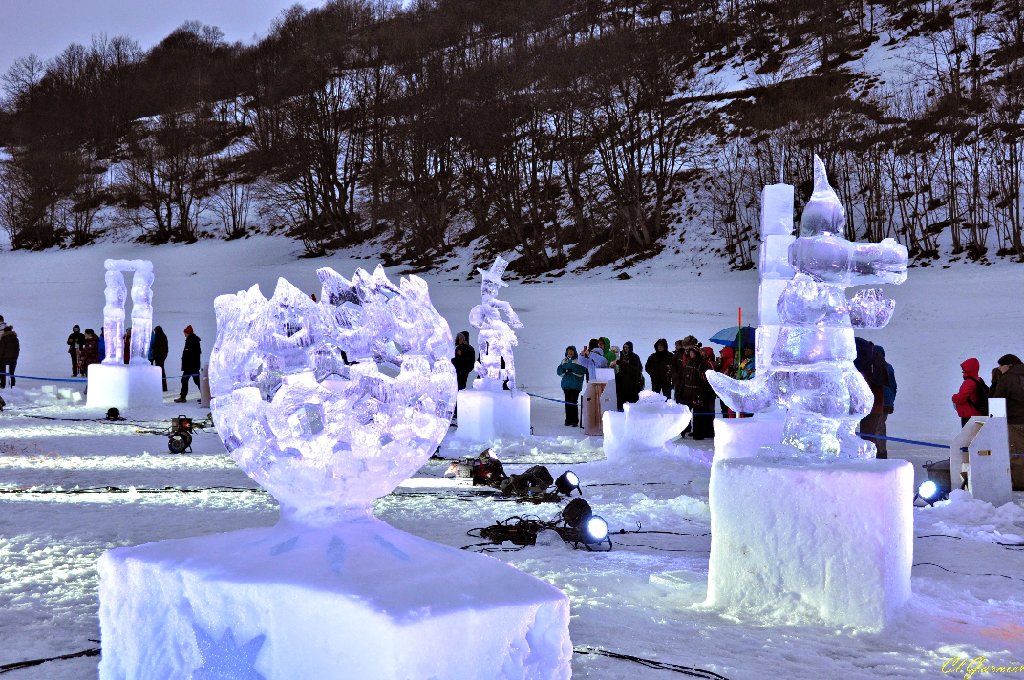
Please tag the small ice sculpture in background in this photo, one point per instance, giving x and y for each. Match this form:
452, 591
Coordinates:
812, 373
496, 336
330, 405
116, 294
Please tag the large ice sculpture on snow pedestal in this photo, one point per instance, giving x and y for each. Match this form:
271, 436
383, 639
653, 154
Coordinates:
111, 382
776, 555
328, 405
811, 374
489, 410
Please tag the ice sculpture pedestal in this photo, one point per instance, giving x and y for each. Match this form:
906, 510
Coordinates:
485, 415
642, 428
124, 386
744, 437
824, 544
354, 600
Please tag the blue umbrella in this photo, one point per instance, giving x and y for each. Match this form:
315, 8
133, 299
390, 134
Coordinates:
728, 336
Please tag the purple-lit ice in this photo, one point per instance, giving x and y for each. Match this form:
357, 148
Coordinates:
330, 404
811, 374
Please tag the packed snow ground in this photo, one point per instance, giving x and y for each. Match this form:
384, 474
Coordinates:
643, 598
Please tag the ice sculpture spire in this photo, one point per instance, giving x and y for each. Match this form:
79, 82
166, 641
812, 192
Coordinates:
496, 364
330, 405
811, 373
824, 212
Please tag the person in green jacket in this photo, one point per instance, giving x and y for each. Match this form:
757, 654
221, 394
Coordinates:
572, 373
609, 354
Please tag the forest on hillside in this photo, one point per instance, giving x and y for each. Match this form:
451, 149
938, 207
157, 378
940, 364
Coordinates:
596, 131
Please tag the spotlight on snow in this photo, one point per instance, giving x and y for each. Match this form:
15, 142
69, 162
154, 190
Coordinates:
583, 527
596, 530
930, 492
567, 483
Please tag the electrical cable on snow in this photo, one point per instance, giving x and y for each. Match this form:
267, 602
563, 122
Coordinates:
18, 665
651, 663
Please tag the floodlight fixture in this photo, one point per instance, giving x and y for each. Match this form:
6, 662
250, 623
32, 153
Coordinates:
567, 483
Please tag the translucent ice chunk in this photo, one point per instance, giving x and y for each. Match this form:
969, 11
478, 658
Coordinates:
325, 432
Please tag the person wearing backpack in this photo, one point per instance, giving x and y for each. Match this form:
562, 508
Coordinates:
972, 397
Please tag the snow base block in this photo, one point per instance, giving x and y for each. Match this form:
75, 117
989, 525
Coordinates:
354, 600
485, 415
745, 437
824, 544
124, 386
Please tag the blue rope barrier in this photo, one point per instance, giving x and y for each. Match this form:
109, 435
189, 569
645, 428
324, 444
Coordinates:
557, 401
905, 441
36, 377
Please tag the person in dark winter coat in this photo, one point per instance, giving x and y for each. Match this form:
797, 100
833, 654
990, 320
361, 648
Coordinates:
629, 376
90, 353
889, 393
693, 389
872, 367
158, 351
191, 357
464, 359
1011, 388
659, 367
10, 348
572, 373
75, 342
966, 400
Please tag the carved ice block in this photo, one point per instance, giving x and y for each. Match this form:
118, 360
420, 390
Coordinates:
801, 544
777, 210
124, 386
359, 600
486, 415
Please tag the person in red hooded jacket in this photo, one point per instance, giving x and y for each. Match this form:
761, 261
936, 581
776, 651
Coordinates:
966, 399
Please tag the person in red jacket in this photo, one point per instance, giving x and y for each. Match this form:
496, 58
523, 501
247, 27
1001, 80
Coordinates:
966, 399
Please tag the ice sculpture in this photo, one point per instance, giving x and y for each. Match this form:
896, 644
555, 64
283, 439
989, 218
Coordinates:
773, 556
328, 405
645, 426
496, 363
116, 293
812, 374
111, 383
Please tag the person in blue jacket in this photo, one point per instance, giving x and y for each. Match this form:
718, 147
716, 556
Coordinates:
572, 373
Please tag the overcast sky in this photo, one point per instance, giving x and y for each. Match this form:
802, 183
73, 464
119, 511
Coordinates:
46, 27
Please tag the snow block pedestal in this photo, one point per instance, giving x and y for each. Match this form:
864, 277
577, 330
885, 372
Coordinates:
354, 600
824, 544
745, 437
124, 386
485, 415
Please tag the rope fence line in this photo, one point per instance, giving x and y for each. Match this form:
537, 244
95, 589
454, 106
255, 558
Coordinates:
901, 440
18, 376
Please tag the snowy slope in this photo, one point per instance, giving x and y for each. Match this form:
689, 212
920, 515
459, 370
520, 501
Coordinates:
622, 600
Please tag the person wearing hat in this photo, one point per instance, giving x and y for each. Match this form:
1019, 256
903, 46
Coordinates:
190, 360
1010, 387
76, 341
